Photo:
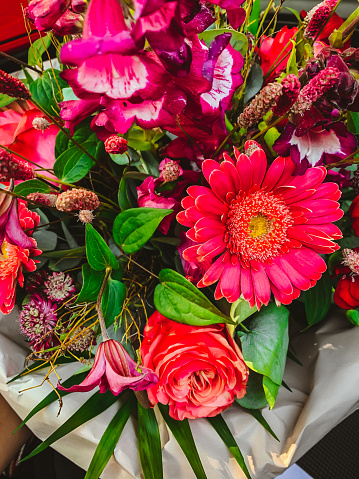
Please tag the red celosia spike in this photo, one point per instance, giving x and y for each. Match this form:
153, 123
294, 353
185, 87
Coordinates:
12, 168
13, 87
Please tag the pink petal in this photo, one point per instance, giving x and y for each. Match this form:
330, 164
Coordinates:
279, 278
210, 204
259, 166
208, 166
244, 168
298, 280
211, 248
274, 173
213, 273
261, 284
230, 281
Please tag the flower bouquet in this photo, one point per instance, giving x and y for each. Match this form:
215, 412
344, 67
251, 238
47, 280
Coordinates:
175, 195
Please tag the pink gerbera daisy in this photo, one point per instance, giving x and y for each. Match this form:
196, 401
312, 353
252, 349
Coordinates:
265, 226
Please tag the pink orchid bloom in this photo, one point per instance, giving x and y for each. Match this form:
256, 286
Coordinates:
114, 369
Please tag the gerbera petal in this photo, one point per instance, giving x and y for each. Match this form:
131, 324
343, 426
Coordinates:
221, 184
247, 286
297, 279
230, 281
208, 166
210, 204
260, 283
259, 166
213, 273
279, 278
244, 168
274, 173
211, 248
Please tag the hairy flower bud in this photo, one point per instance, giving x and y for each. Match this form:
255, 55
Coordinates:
11, 168
86, 216
46, 199
116, 145
40, 123
77, 199
13, 87
264, 101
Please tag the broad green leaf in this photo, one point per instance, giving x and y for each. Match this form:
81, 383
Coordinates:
134, 227
5, 100
98, 253
110, 438
91, 408
240, 310
149, 444
270, 390
254, 82
257, 414
149, 163
92, 281
52, 397
46, 91
31, 186
353, 316
292, 61
112, 300
37, 49
270, 137
73, 164
353, 122
317, 300
254, 17
222, 429
265, 345
123, 200
46, 240
178, 299
65, 253
182, 432
238, 40
61, 143
255, 397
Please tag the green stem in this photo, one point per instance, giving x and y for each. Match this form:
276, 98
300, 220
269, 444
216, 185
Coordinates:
98, 305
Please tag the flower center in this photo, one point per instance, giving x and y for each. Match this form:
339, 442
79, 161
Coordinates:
257, 225
351, 259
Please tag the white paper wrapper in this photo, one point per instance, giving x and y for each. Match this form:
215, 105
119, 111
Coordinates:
325, 391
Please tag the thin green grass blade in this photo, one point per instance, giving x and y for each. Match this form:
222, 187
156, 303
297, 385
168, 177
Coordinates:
149, 444
183, 434
220, 426
90, 409
52, 397
256, 413
110, 438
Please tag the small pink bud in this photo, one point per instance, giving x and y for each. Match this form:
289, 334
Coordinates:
77, 199
86, 216
116, 145
171, 171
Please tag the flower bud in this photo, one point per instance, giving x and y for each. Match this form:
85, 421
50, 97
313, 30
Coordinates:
116, 145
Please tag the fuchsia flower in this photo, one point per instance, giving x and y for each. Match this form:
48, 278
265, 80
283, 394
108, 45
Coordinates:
114, 369
265, 227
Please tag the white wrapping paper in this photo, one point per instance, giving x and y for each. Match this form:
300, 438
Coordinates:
325, 391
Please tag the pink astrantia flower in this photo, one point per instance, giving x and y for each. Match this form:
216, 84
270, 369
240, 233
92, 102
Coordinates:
265, 227
114, 369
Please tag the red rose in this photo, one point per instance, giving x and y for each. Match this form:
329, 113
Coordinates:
346, 294
354, 214
271, 48
201, 369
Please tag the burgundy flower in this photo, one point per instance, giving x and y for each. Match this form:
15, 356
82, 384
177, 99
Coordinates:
114, 369
70, 23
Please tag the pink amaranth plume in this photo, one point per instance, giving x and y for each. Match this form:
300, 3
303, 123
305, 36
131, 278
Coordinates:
317, 17
16, 169
13, 87
46, 199
263, 228
77, 199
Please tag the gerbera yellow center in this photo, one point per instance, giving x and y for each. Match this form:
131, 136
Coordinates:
257, 225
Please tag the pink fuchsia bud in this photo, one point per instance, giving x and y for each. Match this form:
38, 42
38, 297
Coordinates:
13, 87
46, 199
86, 216
316, 88
317, 17
116, 145
291, 89
77, 199
261, 104
11, 168
170, 170
40, 123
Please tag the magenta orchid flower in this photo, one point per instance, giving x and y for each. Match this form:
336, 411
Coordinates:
114, 369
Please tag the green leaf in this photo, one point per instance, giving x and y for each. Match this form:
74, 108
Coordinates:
123, 200
295, 12
353, 316
134, 227
270, 137
110, 438
353, 122
31, 186
222, 429
265, 345
37, 49
317, 299
73, 164
254, 82
240, 310
149, 444
45, 240
5, 100
183, 435
98, 253
66, 253
92, 281
255, 397
238, 40
46, 91
254, 17
113, 298
178, 299
270, 390
292, 61
52, 397
256, 413
91, 408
